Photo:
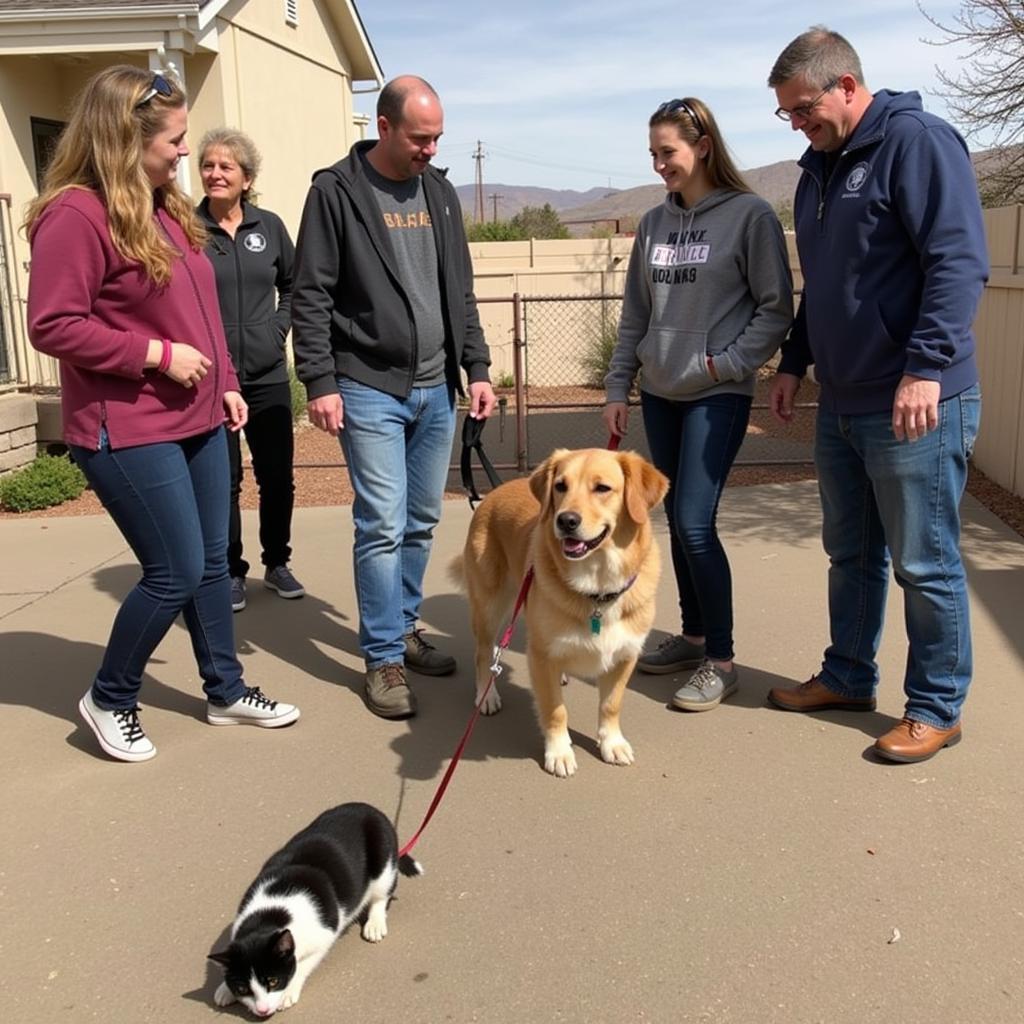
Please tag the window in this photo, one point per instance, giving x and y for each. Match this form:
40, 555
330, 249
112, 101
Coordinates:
44, 138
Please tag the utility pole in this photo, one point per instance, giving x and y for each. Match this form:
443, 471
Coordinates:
478, 156
494, 197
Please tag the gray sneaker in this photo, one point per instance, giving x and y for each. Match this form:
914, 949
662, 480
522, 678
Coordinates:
237, 593
672, 655
280, 578
425, 658
252, 709
387, 694
706, 688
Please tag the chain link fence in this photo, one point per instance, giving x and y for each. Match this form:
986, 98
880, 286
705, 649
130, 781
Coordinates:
565, 343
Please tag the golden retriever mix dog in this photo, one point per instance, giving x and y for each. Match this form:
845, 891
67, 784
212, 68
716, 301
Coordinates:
582, 520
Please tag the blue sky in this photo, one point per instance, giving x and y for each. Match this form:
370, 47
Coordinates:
559, 92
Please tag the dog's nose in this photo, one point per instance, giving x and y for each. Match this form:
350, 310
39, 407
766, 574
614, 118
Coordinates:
568, 521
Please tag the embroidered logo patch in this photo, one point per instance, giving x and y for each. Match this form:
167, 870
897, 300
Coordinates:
856, 178
255, 242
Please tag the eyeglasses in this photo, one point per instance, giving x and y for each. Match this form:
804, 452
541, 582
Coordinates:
671, 106
805, 110
159, 86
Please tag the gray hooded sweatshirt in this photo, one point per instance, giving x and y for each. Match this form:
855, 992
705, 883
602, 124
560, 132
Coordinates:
712, 280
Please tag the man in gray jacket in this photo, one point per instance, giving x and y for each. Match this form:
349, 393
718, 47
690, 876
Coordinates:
383, 320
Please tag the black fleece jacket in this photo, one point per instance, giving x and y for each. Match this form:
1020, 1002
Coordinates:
350, 313
254, 286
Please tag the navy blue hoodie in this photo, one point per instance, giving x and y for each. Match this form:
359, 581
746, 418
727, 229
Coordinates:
894, 259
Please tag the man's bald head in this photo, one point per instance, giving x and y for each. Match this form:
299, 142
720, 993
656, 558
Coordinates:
393, 97
409, 123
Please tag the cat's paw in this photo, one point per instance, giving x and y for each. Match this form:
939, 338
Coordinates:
290, 998
376, 926
223, 996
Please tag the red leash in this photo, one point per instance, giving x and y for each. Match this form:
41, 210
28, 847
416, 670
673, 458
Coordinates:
506, 639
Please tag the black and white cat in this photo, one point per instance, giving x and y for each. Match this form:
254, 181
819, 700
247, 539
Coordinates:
304, 897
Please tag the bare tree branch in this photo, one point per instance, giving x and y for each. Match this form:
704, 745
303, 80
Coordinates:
985, 97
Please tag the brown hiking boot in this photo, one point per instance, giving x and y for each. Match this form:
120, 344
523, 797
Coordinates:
387, 694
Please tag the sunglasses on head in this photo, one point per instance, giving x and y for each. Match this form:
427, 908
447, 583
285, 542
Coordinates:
671, 106
158, 87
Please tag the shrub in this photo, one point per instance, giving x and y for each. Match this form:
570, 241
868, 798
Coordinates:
298, 390
505, 380
601, 335
50, 480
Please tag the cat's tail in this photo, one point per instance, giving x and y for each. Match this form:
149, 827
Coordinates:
409, 867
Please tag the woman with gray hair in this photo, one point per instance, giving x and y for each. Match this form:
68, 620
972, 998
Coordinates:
252, 258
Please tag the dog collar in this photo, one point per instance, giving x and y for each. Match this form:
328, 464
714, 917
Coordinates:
608, 598
604, 599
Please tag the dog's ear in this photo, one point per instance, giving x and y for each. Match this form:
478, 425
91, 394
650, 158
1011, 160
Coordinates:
542, 479
645, 486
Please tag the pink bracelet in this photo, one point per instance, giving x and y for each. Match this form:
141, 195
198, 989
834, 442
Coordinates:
165, 357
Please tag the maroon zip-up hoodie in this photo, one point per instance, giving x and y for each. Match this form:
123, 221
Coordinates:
96, 312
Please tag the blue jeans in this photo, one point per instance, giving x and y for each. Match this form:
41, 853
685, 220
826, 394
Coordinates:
170, 502
881, 497
397, 450
694, 444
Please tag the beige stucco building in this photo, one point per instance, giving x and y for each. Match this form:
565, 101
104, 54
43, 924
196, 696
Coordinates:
285, 71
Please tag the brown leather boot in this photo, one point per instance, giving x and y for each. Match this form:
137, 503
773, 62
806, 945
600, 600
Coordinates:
814, 695
913, 741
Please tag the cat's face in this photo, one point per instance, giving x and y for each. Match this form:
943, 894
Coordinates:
258, 969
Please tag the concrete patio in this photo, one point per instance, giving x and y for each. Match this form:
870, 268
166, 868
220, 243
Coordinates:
753, 866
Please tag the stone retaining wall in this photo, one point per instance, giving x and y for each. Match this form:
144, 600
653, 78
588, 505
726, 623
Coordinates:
18, 418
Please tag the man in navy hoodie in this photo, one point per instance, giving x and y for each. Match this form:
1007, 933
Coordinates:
892, 247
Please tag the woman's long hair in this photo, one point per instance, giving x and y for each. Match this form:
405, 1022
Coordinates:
101, 149
693, 119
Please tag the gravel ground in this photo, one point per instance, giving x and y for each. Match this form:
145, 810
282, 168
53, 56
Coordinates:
328, 484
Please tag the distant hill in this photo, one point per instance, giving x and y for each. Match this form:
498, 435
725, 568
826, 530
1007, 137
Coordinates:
512, 198
776, 182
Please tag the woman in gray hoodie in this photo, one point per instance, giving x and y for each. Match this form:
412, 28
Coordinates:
708, 300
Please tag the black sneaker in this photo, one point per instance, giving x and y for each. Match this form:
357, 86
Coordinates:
672, 655
237, 593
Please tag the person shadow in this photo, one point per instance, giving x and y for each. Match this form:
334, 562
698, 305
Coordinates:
302, 639
51, 673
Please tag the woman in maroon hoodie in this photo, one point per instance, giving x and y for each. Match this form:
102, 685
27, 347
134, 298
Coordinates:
123, 295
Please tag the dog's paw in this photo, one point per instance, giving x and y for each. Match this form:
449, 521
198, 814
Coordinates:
559, 758
492, 702
615, 749
223, 996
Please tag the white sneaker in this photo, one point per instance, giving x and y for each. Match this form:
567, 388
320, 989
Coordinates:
119, 732
252, 709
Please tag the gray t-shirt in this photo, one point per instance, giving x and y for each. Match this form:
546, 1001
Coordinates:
403, 207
